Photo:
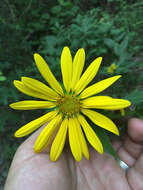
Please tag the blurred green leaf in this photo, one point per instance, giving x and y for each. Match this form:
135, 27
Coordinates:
110, 43
104, 138
136, 97
56, 9
124, 43
2, 78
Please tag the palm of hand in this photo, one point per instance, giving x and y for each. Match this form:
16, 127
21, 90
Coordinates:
36, 172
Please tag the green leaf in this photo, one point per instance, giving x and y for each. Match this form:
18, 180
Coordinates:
110, 43
56, 9
124, 43
104, 138
2, 78
136, 97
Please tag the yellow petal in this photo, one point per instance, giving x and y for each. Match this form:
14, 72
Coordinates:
66, 68
101, 121
98, 87
31, 104
92, 100
47, 133
35, 124
88, 75
90, 134
47, 74
122, 112
78, 64
105, 102
59, 141
40, 87
74, 140
24, 89
83, 144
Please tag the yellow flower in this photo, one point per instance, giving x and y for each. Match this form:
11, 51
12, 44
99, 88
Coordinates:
69, 108
111, 69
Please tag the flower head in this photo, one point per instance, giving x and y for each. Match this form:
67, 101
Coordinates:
69, 106
111, 69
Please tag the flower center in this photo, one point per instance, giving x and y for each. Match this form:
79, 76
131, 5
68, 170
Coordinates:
69, 105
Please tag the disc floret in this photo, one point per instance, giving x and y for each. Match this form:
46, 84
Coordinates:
69, 105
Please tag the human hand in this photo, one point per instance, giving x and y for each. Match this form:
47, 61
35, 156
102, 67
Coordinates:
30, 171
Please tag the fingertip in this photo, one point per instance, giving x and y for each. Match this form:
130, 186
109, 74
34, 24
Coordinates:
135, 129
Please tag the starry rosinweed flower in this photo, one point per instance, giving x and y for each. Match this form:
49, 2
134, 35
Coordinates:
69, 108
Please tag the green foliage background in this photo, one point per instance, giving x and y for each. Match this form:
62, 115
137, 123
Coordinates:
112, 29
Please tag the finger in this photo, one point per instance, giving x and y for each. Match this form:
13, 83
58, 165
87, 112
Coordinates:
135, 174
103, 170
135, 130
109, 172
122, 153
132, 145
126, 157
137, 136
116, 144
135, 179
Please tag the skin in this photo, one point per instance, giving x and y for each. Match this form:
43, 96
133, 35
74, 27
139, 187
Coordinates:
32, 171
